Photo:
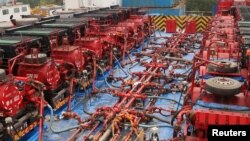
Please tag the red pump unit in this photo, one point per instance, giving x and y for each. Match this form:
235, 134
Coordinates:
19, 102
39, 67
68, 57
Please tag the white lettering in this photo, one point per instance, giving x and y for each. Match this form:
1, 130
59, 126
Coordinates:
215, 132
244, 133
221, 133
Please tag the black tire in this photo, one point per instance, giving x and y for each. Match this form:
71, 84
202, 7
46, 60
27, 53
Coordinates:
2, 75
223, 86
228, 67
42, 58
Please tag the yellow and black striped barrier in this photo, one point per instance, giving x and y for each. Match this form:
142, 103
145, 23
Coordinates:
201, 21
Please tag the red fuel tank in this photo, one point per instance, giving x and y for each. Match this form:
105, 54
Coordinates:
40, 68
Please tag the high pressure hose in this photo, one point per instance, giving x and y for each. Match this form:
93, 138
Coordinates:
52, 121
105, 79
120, 66
158, 118
151, 126
84, 107
158, 97
137, 63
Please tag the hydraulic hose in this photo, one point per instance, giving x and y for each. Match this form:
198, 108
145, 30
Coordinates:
158, 118
52, 121
179, 102
151, 126
105, 79
84, 107
158, 97
137, 63
119, 65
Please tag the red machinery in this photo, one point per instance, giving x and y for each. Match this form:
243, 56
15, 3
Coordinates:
201, 119
135, 28
114, 116
220, 88
70, 61
123, 36
224, 6
217, 81
20, 99
220, 39
96, 50
69, 58
133, 92
41, 68
147, 24
104, 40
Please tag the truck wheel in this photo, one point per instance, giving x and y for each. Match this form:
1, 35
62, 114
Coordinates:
228, 67
223, 86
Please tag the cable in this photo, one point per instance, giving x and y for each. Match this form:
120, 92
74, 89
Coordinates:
176, 114
105, 79
180, 98
84, 107
119, 65
137, 63
151, 126
158, 118
158, 97
52, 121
174, 117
